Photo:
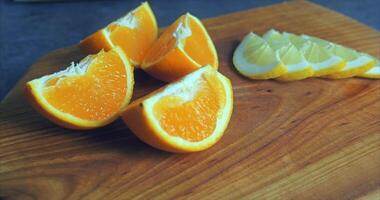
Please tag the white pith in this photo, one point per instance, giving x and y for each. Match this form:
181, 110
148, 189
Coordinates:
182, 32
128, 20
72, 70
332, 61
182, 88
358, 62
298, 67
373, 71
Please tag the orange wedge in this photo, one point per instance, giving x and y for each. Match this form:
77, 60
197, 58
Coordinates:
182, 48
188, 115
134, 33
86, 95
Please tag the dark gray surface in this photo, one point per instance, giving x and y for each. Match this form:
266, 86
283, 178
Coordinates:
30, 30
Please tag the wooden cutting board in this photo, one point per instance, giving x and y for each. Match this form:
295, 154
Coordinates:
310, 139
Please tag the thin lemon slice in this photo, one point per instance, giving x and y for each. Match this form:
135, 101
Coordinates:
296, 64
357, 63
374, 72
321, 60
321, 42
295, 39
255, 59
275, 39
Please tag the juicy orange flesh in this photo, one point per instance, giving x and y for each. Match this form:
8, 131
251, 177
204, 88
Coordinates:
196, 46
196, 119
165, 43
96, 95
139, 38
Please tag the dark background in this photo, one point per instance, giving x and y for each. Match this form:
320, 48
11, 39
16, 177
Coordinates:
30, 30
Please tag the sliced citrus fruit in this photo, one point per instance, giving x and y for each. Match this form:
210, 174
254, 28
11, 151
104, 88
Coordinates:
255, 59
297, 66
188, 115
182, 48
134, 33
295, 63
86, 95
356, 62
374, 72
321, 60
321, 42
296, 40
275, 39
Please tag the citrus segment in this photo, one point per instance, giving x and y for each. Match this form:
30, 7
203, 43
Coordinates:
192, 127
89, 94
297, 67
134, 33
296, 40
295, 63
356, 63
302, 56
275, 39
255, 59
188, 115
321, 60
321, 42
182, 48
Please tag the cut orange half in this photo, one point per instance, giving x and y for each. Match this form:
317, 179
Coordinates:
182, 48
134, 33
188, 115
86, 95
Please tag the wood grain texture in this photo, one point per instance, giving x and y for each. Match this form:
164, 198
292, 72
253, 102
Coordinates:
314, 139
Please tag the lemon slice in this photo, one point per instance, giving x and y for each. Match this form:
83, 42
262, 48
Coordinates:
287, 56
255, 59
357, 63
321, 60
374, 72
321, 42
297, 66
275, 39
295, 39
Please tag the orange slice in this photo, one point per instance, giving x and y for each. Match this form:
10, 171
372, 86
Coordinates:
86, 95
134, 33
182, 48
188, 115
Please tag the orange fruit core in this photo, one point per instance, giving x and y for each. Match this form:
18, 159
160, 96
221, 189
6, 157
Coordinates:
94, 95
192, 120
